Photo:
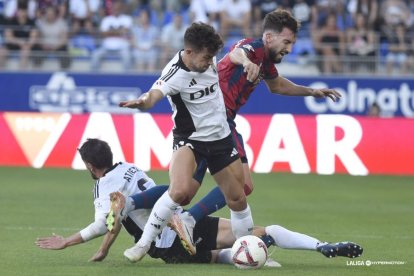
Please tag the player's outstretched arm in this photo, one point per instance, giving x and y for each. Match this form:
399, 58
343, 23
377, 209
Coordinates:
145, 101
283, 86
56, 242
107, 242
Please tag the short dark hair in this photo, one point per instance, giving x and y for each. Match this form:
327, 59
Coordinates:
279, 19
96, 152
200, 35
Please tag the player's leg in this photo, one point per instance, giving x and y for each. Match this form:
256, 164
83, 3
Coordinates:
215, 199
231, 181
226, 239
239, 145
121, 206
181, 191
287, 239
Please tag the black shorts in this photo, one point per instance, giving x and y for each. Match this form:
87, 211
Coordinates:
218, 154
237, 140
205, 236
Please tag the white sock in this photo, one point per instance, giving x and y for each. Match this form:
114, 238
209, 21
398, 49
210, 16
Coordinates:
241, 222
158, 219
287, 239
224, 256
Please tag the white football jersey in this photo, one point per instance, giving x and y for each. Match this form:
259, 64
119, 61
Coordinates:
198, 107
127, 179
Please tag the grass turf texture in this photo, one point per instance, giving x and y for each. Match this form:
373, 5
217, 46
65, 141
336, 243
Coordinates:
374, 211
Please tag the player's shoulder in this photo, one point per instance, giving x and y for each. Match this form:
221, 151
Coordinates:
175, 70
249, 44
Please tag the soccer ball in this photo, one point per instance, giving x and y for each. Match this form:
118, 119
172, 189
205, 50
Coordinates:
249, 252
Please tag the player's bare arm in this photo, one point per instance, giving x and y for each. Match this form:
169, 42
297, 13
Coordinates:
283, 86
107, 242
56, 242
145, 101
238, 56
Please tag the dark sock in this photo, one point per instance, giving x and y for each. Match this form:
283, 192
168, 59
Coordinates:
268, 240
147, 198
212, 202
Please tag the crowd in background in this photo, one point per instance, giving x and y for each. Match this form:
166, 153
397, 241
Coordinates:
143, 35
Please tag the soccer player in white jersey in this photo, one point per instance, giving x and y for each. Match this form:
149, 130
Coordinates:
212, 233
123, 177
201, 134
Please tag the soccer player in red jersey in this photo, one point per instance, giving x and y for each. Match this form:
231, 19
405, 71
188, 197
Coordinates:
252, 60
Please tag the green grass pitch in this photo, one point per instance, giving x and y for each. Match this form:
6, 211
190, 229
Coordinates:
374, 211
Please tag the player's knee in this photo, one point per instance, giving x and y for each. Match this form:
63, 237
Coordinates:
181, 197
237, 202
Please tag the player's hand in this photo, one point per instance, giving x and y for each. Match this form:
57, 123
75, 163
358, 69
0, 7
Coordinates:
252, 71
326, 92
99, 256
54, 242
132, 104
138, 103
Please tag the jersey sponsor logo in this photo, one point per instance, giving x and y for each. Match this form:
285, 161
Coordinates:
204, 92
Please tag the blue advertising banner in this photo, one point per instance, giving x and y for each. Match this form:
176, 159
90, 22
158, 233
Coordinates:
83, 93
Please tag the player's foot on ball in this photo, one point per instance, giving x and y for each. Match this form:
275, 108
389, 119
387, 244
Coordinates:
137, 252
183, 224
272, 263
116, 214
343, 249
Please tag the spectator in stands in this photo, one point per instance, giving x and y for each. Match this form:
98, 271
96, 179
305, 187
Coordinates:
330, 45
344, 19
171, 38
411, 22
368, 8
59, 5
115, 31
10, 8
145, 42
304, 11
21, 35
322, 10
82, 14
157, 11
397, 49
374, 110
361, 41
53, 37
395, 12
236, 14
410, 62
206, 11
259, 9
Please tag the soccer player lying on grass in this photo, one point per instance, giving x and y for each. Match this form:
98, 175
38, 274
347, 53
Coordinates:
214, 238
210, 233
